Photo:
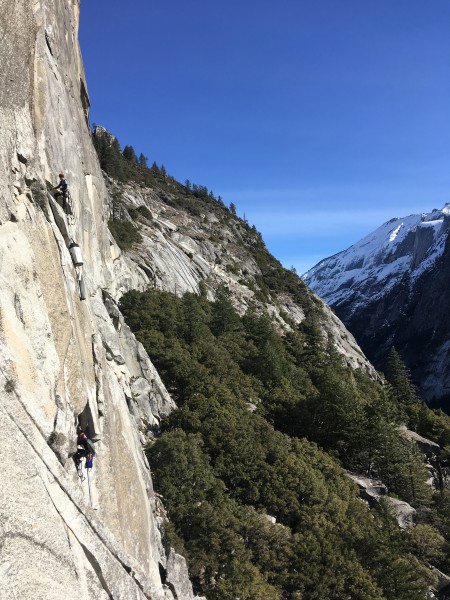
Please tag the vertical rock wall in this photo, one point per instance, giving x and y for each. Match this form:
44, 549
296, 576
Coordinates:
63, 360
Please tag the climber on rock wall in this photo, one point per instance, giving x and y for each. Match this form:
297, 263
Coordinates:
63, 193
85, 449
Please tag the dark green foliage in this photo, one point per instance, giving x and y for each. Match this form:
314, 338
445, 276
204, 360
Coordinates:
136, 213
427, 543
221, 467
401, 466
116, 205
133, 213
125, 166
224, 317
145, 213
232, 268
130, 155
109, 154
441, 523
143, 160
274, 278
399, 378
398, 571
125, 233
433, 424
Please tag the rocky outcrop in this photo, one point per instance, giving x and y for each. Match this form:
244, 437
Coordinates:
441, 590
178, 250
438, 470
429, 448
373, 491
65, 361
176, 576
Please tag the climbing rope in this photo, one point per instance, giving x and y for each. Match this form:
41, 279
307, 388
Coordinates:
89, 485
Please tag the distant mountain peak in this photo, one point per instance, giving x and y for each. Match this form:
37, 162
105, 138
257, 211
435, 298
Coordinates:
401, 246
389, 287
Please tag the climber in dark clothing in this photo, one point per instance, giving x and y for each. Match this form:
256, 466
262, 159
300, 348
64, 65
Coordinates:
85, 448
62, 184
63, 188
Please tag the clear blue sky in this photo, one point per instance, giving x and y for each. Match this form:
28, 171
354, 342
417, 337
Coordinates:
319, 119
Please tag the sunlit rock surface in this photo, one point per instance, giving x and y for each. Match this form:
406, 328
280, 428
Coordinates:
62, 359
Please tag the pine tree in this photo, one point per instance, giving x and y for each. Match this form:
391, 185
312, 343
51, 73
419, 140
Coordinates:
143, 160
400, 465
269, 363
399, 378
109, 154
115, 205
129, 154
224, 316
195, 319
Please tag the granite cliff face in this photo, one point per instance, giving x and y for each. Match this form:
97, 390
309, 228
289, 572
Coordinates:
63, 360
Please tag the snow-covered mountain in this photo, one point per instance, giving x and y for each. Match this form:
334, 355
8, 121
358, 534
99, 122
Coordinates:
392, 288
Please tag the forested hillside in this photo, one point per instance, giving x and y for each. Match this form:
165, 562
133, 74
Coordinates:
252, 465
254, 408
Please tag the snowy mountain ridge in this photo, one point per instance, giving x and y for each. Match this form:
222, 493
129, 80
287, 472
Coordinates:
401, 247
392, 289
